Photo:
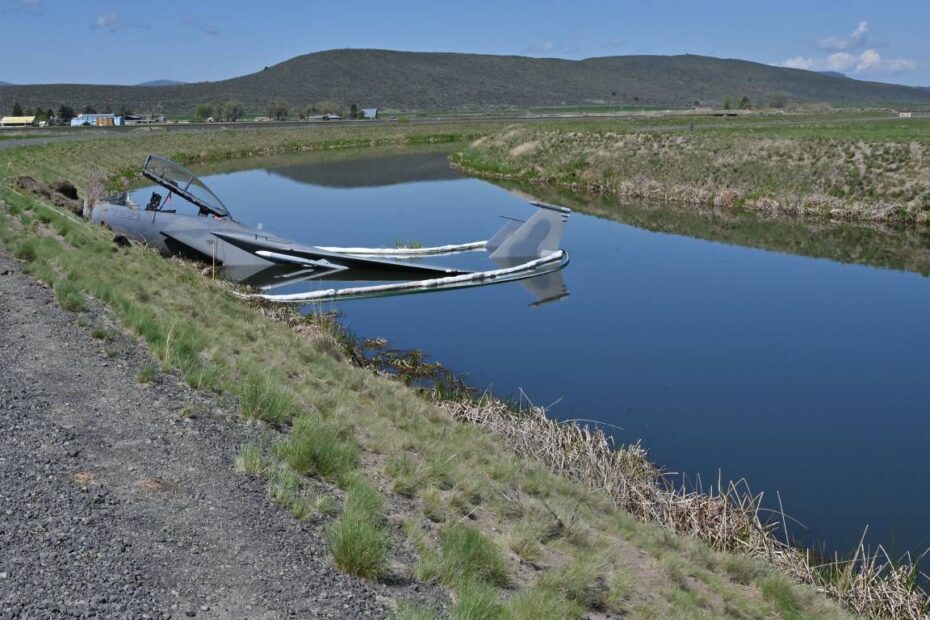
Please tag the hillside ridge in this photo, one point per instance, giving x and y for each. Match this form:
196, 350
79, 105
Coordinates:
449, 80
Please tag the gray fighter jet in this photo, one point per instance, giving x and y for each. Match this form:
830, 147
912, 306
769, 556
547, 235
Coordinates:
521, 249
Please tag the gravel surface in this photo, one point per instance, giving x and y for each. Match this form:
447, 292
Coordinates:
120, 500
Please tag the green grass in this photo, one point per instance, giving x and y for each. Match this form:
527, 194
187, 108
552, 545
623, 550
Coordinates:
780, 591
407, 611
266, 400
580, 582
358, 541
250, 460
147, 373
100, 333
69, 295
468, 553
319, 447
475, 600
542, 604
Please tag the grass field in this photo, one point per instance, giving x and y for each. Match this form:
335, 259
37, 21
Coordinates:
843, 169
506, 536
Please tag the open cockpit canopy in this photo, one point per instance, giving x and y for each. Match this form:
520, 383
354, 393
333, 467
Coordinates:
178, 179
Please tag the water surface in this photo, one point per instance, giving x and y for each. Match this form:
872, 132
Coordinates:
803, 375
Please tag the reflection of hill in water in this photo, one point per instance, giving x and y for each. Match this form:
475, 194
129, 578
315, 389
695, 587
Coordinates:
374, 172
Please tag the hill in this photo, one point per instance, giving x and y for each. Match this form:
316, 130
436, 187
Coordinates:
160, 83
444, 81
2, 83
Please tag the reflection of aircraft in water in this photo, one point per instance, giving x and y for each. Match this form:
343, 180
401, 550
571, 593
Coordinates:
522, 250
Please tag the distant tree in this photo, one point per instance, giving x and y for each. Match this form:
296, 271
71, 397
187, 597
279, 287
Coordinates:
108, 109
49, 114
353, 111
745, 104
613, 93
17, 109
727, 104
278, 109
124, 111
232, 110
89, 109
697, 103
779, 101
324, 107
65, 113
203, 111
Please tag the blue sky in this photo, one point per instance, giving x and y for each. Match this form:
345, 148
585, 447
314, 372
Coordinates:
129, 42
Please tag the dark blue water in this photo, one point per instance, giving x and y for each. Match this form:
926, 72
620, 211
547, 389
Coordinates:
802, 375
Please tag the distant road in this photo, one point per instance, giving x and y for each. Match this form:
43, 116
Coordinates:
67, 134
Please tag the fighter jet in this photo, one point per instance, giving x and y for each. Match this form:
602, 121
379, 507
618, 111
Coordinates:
521, 249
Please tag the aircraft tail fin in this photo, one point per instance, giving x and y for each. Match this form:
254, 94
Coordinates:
538, 236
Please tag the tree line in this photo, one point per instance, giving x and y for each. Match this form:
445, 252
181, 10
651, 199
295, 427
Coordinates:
277, 108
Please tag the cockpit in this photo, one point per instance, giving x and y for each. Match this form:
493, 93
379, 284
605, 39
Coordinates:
181, 181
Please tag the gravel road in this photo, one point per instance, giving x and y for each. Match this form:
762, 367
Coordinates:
120, 500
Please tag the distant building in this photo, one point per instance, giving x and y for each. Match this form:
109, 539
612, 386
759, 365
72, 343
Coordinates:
97, 120
332, 117
904, 114
369, 112
17, 121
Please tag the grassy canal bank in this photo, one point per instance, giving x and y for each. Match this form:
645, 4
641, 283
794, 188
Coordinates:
412, 488
866, 171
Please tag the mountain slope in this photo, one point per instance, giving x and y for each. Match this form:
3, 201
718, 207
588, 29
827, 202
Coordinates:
160, 83
409, 80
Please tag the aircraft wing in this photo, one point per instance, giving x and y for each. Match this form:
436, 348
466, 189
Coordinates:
310, 256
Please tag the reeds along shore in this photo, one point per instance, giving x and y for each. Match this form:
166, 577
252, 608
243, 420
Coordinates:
867, 173
728, 518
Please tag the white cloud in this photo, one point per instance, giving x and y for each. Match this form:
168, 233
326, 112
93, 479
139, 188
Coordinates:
107, 21
869, 61
201, 25
111, 22
545, 47
800, 62
899, 65
856, 39
29, 7
613, 43
841, 61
